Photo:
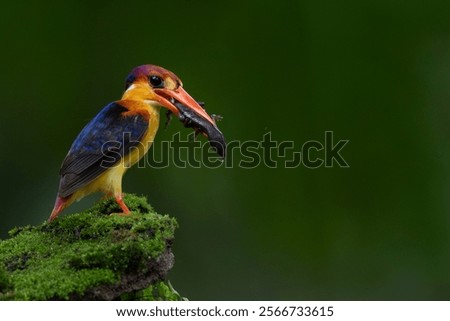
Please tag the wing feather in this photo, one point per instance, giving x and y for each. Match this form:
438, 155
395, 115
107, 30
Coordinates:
100, 145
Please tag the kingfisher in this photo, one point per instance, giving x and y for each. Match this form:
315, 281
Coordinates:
122, 133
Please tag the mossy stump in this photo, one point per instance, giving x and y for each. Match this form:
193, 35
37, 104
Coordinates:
92, 255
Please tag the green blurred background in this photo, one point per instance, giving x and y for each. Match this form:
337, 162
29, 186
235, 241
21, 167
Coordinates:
374, 72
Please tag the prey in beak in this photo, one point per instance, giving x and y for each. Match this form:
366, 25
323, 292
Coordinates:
192, 115
192, 119
156, 84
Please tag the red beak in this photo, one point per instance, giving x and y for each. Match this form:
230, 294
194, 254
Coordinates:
166, 98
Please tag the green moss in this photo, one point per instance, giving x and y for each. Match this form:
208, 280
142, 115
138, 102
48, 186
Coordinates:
88, 255
5, 282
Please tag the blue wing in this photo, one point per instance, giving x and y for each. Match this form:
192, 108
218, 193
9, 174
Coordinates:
99, 146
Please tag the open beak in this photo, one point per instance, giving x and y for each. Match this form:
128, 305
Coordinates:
188, 111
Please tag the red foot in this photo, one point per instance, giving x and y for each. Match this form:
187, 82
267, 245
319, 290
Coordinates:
122, 205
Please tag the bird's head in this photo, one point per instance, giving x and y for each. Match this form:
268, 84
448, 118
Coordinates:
157, 85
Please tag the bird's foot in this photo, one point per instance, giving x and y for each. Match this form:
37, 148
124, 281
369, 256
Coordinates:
122, 205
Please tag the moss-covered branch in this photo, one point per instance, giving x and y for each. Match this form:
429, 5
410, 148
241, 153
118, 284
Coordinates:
91, 255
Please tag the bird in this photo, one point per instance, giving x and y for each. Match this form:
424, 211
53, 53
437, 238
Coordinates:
122, 133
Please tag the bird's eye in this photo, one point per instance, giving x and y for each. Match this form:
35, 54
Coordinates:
156, 81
